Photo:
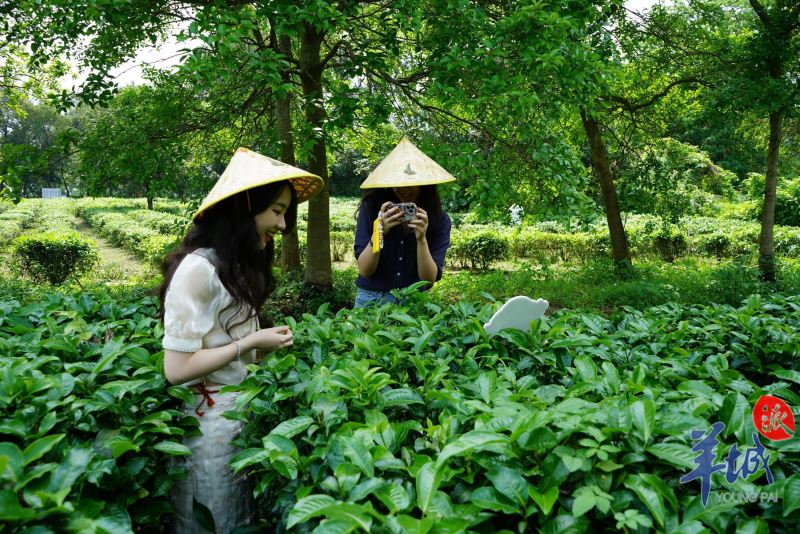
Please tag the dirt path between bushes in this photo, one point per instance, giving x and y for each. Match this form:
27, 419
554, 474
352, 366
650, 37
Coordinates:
114, 259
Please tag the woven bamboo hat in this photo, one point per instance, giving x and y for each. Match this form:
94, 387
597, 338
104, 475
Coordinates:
248, 169
406, 166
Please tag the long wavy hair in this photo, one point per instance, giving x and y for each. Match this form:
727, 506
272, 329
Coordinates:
373, 199
229, 228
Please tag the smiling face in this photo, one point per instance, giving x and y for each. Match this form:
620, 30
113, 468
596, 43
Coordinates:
272, 220
407, 194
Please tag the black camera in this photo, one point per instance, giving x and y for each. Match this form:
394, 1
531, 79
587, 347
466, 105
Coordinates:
409, 210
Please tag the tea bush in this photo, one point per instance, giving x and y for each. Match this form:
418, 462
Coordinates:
404, 418
279, 243
16, 219
88, 423
54, 257
341, 245
410, 419
546, 246
478, 248
670, 244
123, 230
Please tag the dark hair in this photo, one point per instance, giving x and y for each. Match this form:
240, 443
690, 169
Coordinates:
428, 199
229, 229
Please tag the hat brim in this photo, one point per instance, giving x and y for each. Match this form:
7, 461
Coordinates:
406, 166
399, 183
305, 186
248, 169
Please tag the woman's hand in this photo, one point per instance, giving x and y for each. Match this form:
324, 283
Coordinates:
391, 216
270, 339
420, 224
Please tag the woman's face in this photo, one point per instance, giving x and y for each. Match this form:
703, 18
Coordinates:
271, 221
407, 194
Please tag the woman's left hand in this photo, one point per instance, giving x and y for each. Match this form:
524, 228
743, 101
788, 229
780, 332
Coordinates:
419, 223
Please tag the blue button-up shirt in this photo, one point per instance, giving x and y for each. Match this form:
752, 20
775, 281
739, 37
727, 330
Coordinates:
397, 263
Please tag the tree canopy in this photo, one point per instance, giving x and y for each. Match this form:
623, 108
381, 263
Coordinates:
524, 101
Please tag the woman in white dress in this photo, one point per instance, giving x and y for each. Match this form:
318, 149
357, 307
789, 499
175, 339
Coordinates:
214, 286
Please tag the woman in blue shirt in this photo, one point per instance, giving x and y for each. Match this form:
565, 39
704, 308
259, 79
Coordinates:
393, 253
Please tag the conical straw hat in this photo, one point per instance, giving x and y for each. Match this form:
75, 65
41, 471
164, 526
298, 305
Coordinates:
248, 169
406, 166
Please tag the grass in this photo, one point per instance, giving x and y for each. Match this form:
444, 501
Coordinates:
595, 286
117, 265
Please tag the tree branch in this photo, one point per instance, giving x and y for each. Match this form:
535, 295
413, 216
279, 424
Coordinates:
632, 107
762, 14
331, 53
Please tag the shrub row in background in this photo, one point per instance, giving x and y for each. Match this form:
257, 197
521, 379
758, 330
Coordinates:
480, 248
549, 242
139, 237
14, 220
49, 249
150, 234
54, 257
342, 214
163, 222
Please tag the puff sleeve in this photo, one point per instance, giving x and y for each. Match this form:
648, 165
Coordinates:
190, 305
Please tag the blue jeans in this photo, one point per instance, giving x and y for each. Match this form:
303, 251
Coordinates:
369, 296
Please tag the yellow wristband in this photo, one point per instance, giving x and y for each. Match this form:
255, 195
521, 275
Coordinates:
377, 236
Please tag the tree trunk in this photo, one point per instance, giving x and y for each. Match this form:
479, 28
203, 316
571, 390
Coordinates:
290, 243
619, 241
766, 242
318, 248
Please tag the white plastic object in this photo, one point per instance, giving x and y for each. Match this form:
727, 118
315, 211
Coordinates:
517, 312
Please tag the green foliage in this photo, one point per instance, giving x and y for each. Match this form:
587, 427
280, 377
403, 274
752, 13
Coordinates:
54, 257
293, 298
478, 248
755, 185
671, 179
402, 417
341, 245
552, 246
128, 149
670, 244
593, 285
16, 219
35, 149
149, 235
787, 199
86, 418
707, 236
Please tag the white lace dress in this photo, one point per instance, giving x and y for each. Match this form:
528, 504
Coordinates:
194, 318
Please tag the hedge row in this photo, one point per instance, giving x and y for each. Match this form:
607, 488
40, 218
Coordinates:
122, 230
42, 241
480, 245
16, 219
